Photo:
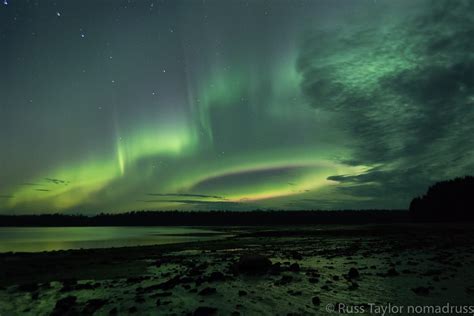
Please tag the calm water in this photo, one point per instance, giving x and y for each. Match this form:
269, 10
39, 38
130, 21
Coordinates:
34, 239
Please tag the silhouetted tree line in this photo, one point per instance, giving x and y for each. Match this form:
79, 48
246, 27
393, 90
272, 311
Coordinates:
210, 218
451, 200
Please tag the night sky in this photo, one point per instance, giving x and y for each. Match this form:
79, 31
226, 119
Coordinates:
238, 105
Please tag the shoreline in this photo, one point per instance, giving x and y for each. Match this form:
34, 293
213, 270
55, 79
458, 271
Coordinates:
415, 263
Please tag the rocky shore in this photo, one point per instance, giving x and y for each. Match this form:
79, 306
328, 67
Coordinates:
264, 271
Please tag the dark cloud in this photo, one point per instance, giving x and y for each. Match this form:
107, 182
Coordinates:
188, 201
311, 204
215, 205
57, 181
187, 195
248, 178
405, 93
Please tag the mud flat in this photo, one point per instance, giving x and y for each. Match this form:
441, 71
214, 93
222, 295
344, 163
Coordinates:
257, 271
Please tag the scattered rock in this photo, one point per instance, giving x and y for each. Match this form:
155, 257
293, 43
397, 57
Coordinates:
139, 299
68, 285
313, 273
253, 264
295, 293
294, 267
205, 311
316, 300
353, 273
85, 286
421, 290
285, 279
194, 272
64, 305
167, 285
207, 291
133, 280
392, 272
216, 276
275, 269
296, 255
353, 286
93, 305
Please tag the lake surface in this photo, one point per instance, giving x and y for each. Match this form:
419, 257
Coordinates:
36, 239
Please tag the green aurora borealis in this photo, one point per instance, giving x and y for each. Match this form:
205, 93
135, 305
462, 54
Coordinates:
196, 105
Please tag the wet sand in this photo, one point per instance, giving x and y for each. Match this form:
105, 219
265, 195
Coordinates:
258, 271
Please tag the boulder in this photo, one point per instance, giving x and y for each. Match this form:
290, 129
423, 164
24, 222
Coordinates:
205, 311
64, 305
93, 305
207, 291
353, 273
316, 300
253, 264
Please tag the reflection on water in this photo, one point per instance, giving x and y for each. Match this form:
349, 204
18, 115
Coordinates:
35, 239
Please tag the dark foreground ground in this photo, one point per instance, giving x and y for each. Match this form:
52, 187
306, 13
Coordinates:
360, 269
